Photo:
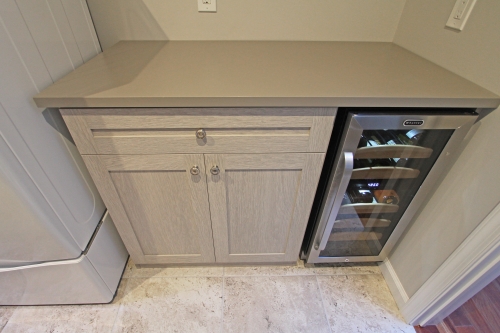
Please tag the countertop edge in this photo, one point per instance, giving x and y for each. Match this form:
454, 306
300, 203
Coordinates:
158, 102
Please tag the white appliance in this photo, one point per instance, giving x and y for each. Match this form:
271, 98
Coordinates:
57, 245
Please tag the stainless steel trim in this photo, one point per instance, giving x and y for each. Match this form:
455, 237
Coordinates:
346, 177
428, 186
320, 260
374, 121
349, 141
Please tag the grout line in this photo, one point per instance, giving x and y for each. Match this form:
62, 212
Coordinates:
121, 304
284, 275
222, 321
250, 275
323, 304
175, 277
10, 317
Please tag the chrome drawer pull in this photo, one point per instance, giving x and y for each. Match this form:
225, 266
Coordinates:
195, 171
214, 170
201, 134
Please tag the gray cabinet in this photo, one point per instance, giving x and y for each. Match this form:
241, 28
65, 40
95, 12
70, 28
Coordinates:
205, 185
161, 209
260, 204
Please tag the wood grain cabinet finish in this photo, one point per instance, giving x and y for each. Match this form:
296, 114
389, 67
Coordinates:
167, 131
260, 204
161, 209
248, 201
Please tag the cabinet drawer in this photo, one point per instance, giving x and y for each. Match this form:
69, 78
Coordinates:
172, 130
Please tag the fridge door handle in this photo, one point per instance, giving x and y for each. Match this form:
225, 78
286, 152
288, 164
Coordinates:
339, 196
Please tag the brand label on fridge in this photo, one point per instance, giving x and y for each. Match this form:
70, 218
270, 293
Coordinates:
413, 122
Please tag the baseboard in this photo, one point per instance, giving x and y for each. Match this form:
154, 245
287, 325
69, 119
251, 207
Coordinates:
474, 264
395, 286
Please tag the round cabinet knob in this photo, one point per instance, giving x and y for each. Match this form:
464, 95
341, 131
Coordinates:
195, 171
201, 134
214, 170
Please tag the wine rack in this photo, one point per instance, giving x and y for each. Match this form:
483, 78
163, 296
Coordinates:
384, 173
383, 169
383, 162
367, 208
398, 151
361, 223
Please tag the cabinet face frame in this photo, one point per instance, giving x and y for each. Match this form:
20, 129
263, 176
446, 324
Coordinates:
100, 167
306, 166
286, 152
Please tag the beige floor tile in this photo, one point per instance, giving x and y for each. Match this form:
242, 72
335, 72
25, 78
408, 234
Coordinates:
297, 269
191, 304
347, 270
67, 318
5, 314
192, 271
360, 303
273, 304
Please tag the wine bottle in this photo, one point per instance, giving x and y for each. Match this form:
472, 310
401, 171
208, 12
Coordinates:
367, 140
386, 196
404, 139
415, 135
388, 138
370, 163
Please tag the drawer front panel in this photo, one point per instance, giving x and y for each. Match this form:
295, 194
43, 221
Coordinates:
163, 131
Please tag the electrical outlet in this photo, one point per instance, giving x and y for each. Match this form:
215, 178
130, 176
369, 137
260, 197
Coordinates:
207, 5
460, 14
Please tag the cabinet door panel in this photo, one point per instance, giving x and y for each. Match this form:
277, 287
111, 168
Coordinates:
160, 209
260, 204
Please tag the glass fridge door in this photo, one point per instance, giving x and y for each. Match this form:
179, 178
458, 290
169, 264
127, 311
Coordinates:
388, 168
385, 168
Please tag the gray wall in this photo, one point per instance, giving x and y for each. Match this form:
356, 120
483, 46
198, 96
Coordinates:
325, 20
472, 187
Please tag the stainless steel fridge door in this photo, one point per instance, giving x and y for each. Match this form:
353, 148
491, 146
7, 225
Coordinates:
381, 178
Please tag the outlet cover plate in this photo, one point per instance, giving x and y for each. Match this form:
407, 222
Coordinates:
460, 13
207, 6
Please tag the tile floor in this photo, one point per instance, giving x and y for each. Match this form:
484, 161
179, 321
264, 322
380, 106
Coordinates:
230, 299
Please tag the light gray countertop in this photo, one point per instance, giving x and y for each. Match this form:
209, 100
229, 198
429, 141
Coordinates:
262, 74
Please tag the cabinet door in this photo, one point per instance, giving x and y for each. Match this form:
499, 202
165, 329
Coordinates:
160, 209
260, 204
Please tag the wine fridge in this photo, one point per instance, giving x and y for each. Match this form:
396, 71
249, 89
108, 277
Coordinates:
383, 169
